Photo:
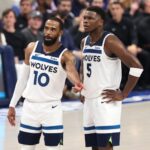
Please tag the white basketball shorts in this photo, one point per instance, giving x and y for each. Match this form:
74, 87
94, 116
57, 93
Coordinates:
37, 118
101, 122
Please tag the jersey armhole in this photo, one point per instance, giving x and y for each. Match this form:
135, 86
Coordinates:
35, 46
103, 46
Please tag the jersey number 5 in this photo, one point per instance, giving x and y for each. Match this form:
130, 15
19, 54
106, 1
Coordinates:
89, 71
42, 79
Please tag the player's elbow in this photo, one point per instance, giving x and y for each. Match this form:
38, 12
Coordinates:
134, 62
139, 65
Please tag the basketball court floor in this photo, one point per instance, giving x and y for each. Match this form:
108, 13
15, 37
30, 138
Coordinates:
135, 133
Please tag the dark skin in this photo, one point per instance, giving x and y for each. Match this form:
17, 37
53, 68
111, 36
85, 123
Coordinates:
52, 30
93, 23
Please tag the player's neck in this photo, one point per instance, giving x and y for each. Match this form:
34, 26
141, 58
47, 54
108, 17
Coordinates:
95, 35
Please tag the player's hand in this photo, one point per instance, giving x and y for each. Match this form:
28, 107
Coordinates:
78, 87
112, 95
11, 116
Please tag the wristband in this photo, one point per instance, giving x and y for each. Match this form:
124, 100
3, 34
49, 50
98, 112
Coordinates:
136, 72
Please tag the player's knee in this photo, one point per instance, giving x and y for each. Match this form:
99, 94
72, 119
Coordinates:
52, 147
27, 147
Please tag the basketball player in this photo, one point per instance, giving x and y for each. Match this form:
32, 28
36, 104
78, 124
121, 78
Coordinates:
102, 56
41, 83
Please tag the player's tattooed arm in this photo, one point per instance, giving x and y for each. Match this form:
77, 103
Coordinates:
68, 62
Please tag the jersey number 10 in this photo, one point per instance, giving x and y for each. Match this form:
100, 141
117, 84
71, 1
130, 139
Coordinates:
38, 79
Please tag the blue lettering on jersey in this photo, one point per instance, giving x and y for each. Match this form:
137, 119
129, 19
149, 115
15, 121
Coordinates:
44, 67
92, 58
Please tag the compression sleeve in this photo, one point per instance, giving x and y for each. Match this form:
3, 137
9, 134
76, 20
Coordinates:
20, 85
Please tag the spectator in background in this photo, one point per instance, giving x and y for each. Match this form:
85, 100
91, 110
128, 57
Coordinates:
25, 8
13, 37
98, 3
78, 5
64, 9
77, 31
143, 27
143, 30
125, 30
121, 26
32, 33
134, 10
45, 7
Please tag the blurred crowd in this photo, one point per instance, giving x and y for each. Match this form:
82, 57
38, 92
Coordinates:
129, 20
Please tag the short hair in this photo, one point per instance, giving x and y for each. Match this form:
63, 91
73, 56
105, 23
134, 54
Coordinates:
118, 3
98, 10
21, 1
61, 24
63, 0
7, 11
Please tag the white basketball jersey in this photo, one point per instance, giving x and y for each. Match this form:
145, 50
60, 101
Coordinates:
100, 71
47, 76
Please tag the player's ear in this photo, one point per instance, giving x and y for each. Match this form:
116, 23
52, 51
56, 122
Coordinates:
101, 22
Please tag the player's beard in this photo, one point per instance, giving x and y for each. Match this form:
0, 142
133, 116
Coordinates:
49, 42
